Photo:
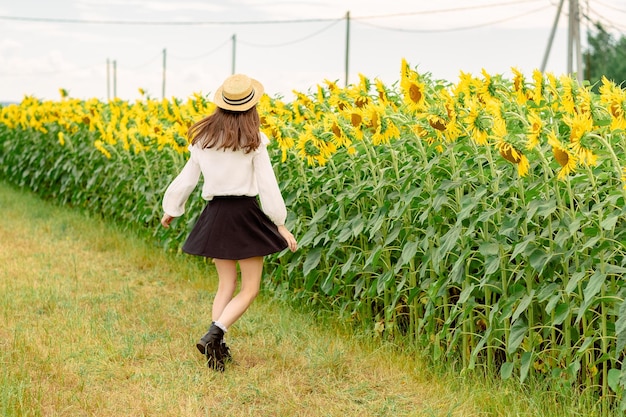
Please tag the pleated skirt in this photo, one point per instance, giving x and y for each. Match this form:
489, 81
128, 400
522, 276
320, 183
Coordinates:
233, 227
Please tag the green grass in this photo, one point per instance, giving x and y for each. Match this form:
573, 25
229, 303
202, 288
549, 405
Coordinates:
97, 322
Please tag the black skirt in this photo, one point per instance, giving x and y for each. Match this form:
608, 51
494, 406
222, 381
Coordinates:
233, 227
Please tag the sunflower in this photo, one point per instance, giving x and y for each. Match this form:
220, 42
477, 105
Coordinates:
436, 121
434, 125
358, 95
420, 132
506, 146
565, 158
537, 92
535, 127
567, 101
519, 86
449, 115
493, 106
275, 129
383, 127
624, 177
413, 89
515, 156
487, 88
299, 108
580, 125
308, 148
614, 100
586, 104
551, 91
341, 135
465, 87
355, 119
100, 146
383, 94
477, 122
315, 144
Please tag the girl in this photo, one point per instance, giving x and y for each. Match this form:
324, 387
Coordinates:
230, 151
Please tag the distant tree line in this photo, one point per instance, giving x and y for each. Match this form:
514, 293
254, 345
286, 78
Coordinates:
605, 56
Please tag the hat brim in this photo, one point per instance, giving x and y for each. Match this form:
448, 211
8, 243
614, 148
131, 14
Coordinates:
258, 88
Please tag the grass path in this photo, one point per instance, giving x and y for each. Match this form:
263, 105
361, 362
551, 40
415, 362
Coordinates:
98, 323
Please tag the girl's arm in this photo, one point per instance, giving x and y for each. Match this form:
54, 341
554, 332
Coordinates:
291, 240
179, 191
166, 220
272, 201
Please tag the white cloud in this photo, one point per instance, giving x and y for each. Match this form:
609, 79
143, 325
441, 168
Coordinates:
10, 45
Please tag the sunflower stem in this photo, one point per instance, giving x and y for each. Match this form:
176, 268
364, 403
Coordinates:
614, 158
309, 196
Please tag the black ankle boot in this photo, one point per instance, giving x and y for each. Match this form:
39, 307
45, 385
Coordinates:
210, 345
226, 352
213, 333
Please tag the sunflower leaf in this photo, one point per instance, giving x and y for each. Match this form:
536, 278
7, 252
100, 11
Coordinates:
312, 260
518, 331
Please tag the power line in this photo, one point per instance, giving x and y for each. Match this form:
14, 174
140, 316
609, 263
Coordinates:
252, 22
160, 23
204, 55
296, 40
455, 9
394, 29
609, 6
604, 20
146, 63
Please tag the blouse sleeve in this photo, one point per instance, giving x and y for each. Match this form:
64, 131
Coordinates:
180, 189
272, 202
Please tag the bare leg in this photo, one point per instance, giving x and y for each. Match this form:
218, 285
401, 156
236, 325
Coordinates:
251, 271
227, 273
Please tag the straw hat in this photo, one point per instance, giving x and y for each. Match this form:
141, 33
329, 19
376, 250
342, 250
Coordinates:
238, 93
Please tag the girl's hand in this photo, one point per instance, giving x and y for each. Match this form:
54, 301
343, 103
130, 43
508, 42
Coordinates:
166, 220
286, 234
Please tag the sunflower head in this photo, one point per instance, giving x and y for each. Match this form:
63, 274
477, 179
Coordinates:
356, 118
561, 156
514, 156
508, 152
519, 82
413, 89
478, 122
566, 159
436, 122
308, 147
537, 94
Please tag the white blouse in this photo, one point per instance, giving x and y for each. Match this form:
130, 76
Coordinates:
228, 172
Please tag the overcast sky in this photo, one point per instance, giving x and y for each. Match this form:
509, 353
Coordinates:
287, 45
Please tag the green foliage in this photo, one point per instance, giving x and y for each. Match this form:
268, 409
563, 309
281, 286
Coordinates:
605, 56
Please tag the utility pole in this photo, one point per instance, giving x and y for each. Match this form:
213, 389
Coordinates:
234, 38
108, 81
163, 87
347, 45
551, 39
114, 79
573, 39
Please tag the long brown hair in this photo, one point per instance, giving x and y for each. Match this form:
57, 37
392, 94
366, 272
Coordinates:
224, 129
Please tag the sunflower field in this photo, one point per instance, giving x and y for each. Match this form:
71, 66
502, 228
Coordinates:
482, 221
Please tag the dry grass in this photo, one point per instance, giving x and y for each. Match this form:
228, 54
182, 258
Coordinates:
97, 323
